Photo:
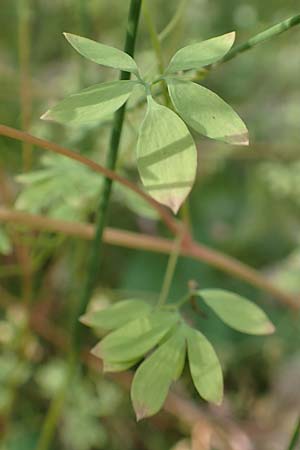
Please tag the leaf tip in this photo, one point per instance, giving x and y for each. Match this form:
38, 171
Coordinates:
239, 139
270, 328
46, 115
231, 36
84, 319
97, 351
174, 203
141, 412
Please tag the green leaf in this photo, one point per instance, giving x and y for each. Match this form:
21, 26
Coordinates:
117, 315
237, 312
201, 54
102, 54
135, 339
204, 366
109, 366
166, 156
154, 376
207, 113
93, 103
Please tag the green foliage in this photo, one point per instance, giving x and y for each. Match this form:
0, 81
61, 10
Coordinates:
102, 54
201, 54
166, 335
154, 376
117, 315
166, 153
207, 113
204, 366
237, 312
133, 340
93, 103
61, 189
166, 156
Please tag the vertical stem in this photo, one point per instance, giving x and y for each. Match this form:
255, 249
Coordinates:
157, 48
170, 269
96, 254
295, 436
25, 85
26, 106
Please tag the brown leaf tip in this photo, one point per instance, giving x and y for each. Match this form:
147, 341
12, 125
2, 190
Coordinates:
46, 116
141, 411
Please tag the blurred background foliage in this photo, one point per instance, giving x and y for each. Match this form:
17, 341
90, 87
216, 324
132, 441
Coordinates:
246, 203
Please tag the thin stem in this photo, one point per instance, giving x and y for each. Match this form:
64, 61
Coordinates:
170, 269
295, 437
195, 250
53, 413
261, 37
157, 48
174, 21
96, 255
154, 37
166, 217
25, 85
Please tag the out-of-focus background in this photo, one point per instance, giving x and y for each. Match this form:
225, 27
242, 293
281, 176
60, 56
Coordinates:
246, 203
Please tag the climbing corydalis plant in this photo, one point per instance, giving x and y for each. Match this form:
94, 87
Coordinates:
166, 151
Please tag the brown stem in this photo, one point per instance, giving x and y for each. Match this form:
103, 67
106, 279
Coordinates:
13, 133
128, 239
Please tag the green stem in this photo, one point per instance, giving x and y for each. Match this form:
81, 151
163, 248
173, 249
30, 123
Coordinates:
96, 254
54, 411
261, 37
295, 436
170, 270
56, 406
154, 37
157, 48
174, 21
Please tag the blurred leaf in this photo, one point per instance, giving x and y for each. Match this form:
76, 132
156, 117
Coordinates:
237, 312
201, 54
116, 315
61, 189
109, 366
133, 340
102, 54
135, 203
166, 156
82, 428
51, 376
94, 103
5, 243
207, 113
204, 366
154, 376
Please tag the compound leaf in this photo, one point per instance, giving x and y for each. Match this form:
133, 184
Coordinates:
166, 156
207, 113
237, 312
102, 54
204, 366
93, 103
201, 54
